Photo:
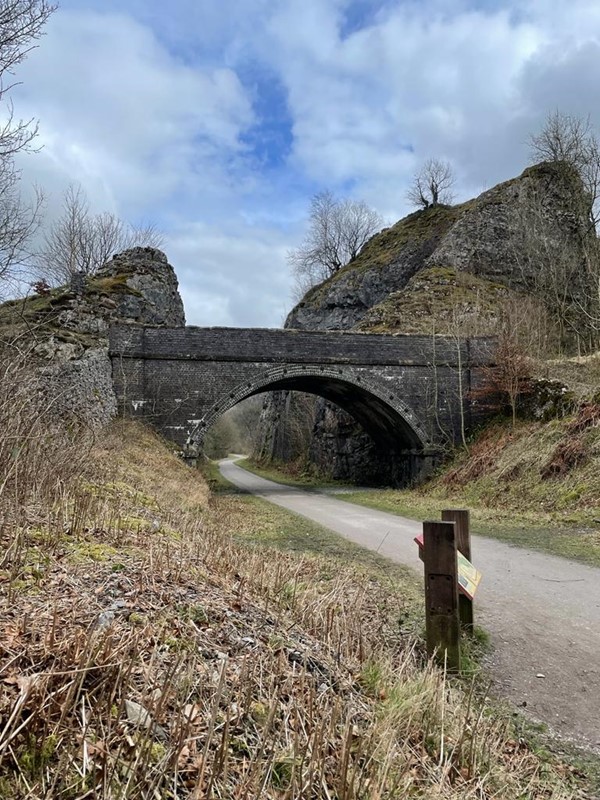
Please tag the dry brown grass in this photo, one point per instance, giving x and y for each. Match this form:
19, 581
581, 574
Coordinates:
569, 454
580, 373
145, 652
482, 457
37, 451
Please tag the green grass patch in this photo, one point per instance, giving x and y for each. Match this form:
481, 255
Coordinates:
578, 544
291, 532
433, 297
216, 482
278, 473
113, 284
275, 526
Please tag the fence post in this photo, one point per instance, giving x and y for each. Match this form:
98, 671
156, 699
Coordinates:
441, 592
460, 517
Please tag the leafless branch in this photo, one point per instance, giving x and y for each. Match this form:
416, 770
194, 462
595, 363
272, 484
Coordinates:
21, 24
338, 230
432, 184
81, 241
573, 141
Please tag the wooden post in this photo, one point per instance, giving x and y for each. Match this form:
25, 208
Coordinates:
460, 517
441, 593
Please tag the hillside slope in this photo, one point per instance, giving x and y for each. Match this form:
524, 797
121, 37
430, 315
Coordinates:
152, 647
503, 258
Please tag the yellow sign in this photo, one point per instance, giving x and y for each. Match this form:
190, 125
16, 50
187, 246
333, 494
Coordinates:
468, 576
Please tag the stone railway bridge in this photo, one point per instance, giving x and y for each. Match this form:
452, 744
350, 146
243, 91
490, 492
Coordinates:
410, 393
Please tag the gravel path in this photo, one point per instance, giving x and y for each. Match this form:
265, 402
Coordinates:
542, 612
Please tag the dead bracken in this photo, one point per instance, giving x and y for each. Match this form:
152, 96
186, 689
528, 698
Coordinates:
151, 648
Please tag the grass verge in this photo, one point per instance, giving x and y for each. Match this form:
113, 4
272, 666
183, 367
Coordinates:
279, 474
159, 641
578, 544
506, 484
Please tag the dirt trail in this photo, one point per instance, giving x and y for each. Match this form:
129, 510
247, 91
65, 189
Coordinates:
542, 612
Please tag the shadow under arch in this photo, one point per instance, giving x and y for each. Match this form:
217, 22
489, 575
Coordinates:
381, 411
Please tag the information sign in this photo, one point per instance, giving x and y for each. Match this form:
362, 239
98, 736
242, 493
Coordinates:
468, 576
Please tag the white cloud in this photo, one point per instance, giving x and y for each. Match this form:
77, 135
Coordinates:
233, 276
147, 104
123, 116
413, 80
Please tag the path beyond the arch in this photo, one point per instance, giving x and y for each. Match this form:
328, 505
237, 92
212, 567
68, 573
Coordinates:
542, 612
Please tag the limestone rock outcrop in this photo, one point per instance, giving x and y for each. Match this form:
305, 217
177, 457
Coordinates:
152, 294
137, 286
70, 325
512, 241
507, 235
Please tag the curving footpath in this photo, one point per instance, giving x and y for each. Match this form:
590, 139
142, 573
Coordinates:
542, 611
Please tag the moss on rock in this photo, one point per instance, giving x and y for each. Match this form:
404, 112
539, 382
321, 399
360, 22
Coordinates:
439, 300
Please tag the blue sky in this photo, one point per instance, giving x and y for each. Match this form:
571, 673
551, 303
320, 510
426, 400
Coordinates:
218, 121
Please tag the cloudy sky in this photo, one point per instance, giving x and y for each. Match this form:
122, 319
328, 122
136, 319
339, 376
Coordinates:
217, 120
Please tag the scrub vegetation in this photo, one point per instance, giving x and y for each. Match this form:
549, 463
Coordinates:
162, 640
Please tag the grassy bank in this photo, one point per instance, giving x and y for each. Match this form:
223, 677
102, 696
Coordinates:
280, 473
159, 640
537, 486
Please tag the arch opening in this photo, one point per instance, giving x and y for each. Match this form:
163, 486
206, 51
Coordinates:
398, 436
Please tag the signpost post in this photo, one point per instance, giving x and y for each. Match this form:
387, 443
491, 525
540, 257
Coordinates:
450, 584
460, 517
441, 592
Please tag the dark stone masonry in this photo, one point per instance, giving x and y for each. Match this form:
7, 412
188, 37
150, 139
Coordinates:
409, 393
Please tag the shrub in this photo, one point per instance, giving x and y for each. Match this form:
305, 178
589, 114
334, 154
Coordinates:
569, 454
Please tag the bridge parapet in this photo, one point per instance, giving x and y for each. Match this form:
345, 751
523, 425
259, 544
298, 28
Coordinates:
411, 393
296, 346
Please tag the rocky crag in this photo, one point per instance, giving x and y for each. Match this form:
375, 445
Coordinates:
452, 270
65, 330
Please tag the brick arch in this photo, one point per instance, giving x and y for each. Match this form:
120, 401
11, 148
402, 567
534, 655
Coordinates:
293, 377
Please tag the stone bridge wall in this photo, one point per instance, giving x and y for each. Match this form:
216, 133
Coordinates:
409, 390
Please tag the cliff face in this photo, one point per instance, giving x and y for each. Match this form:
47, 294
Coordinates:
452, 270
508, 235
67, 328
385, 264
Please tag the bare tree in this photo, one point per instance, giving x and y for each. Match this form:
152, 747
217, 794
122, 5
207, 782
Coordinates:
81, 241
21, 24
573, 141
509, 379
337, 231
432, 184
19, 220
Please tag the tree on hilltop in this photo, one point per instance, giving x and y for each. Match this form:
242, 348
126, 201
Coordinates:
338, 229
432, 184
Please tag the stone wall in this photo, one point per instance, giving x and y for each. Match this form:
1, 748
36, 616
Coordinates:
405, 390
281, 346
